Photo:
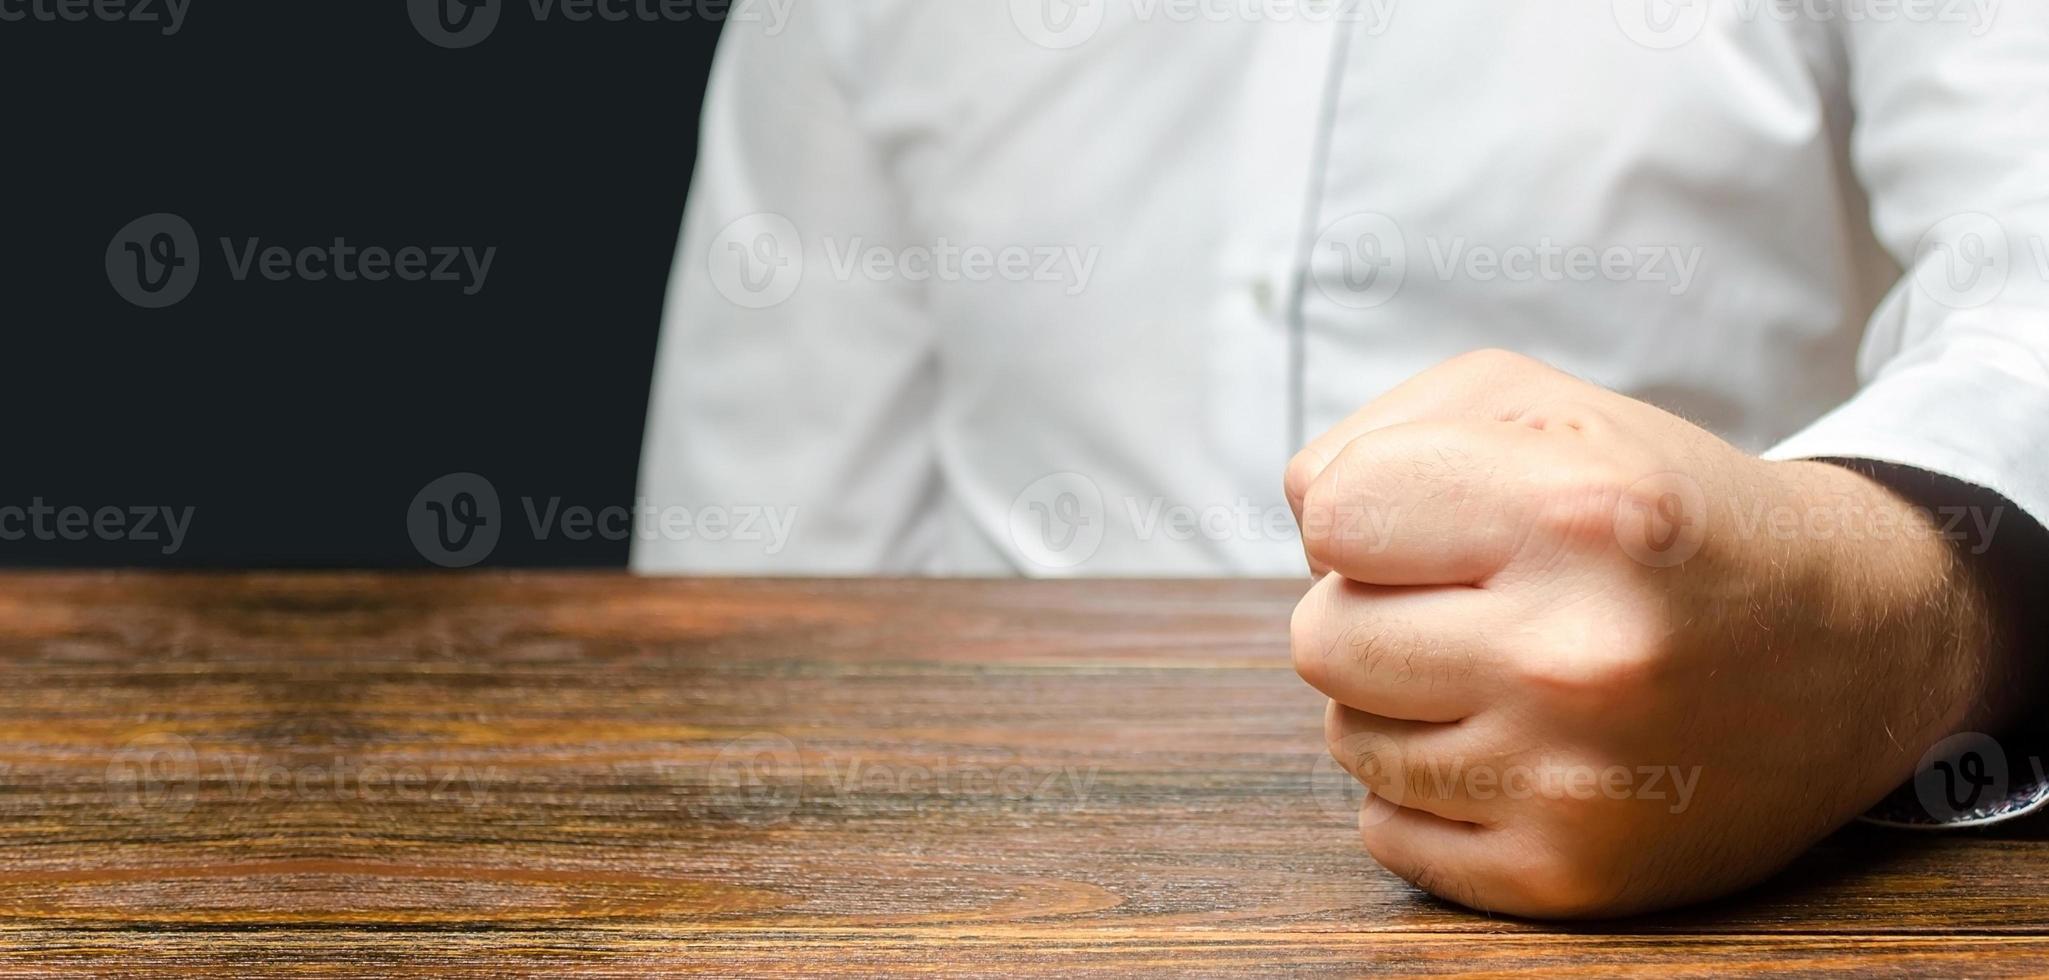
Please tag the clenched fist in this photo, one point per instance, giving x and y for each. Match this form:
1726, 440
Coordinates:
1589, 659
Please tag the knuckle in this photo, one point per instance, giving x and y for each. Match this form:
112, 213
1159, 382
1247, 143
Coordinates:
1595, 680
1490, 361
1443, 882
1560, 887
1305, 638
1301, 474
1317, 498
1571, 414
1610, 662
1324, 535
1641, 494
1449, 876
1364, 644
1576, 505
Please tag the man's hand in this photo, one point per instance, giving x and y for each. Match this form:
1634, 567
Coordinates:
1589, 659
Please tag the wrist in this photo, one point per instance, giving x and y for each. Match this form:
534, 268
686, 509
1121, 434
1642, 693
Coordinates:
1885, 582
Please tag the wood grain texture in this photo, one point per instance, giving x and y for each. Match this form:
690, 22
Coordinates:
503, 775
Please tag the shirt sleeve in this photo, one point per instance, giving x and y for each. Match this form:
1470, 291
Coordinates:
792, 395
1949, 142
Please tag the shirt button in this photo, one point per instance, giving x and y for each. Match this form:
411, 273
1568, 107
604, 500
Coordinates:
1263, 296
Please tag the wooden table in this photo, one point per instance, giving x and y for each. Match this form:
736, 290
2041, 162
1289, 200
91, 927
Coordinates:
494, 775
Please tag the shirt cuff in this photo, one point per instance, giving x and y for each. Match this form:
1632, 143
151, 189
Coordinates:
1984, 425
1961, 418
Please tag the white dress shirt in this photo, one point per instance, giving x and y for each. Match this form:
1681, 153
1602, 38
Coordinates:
1055, 287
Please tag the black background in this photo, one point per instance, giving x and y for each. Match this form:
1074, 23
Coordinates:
301, 418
